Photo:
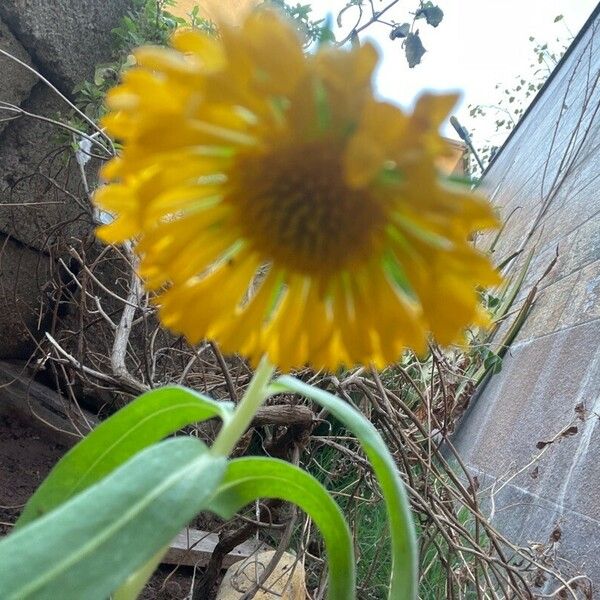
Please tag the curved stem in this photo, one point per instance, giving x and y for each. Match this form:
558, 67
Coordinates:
253, 399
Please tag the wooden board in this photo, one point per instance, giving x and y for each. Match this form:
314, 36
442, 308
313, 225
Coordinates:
194, 547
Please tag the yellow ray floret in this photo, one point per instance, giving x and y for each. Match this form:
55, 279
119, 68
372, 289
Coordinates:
280, 209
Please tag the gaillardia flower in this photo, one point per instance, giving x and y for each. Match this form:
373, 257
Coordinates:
280, 209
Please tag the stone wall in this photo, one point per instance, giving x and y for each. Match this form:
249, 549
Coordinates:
42, 202
547, 178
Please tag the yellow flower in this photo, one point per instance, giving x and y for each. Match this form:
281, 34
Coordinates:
280, 209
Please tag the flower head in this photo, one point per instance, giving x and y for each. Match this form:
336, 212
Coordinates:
280, 209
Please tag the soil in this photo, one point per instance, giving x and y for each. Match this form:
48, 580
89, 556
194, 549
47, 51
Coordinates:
26, 457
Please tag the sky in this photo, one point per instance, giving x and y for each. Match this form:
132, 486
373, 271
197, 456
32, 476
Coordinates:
479, 44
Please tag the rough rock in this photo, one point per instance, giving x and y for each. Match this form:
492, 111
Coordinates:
16, 81
65, 38
43, 208
41, 193
285, 583
23, 273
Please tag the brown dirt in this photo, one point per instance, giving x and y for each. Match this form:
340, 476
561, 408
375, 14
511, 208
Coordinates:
26, 457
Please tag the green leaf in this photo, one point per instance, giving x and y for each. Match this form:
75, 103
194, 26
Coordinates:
492, 363
149, 418
136, 581
403, 584
90, 545
250, 478
326, 35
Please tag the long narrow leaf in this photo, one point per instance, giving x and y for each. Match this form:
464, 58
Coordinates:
149, 418
135, 583
248, 479
403, 584
89, 546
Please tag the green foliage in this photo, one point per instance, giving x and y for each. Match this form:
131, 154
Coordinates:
149, 22
366, 512
102, 519
400, 31
88, 546
146, 22
403, 541
362, 14
146, 420
433, 584
310, 29
250, 478
515, 97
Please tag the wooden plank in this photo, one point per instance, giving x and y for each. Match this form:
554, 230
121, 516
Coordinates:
195, 547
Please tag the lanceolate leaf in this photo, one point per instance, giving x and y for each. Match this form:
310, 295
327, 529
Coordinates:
403, 585
146, 420
250, 478
135, 583
89, 546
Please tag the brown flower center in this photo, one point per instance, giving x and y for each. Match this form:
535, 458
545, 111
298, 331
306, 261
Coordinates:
296, 209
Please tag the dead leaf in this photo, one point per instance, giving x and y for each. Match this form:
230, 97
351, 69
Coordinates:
413, 48
472, 488
556, 534
400, 31
431, 13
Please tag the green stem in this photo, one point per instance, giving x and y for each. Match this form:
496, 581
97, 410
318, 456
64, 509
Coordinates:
254, 397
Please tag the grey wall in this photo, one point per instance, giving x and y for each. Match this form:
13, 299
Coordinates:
548, 173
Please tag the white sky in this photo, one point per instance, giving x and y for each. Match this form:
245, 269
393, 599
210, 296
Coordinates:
478, 44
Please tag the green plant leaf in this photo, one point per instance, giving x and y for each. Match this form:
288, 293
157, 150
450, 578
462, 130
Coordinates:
90, 545
149, 418
250, 478
136, 581
403, 584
